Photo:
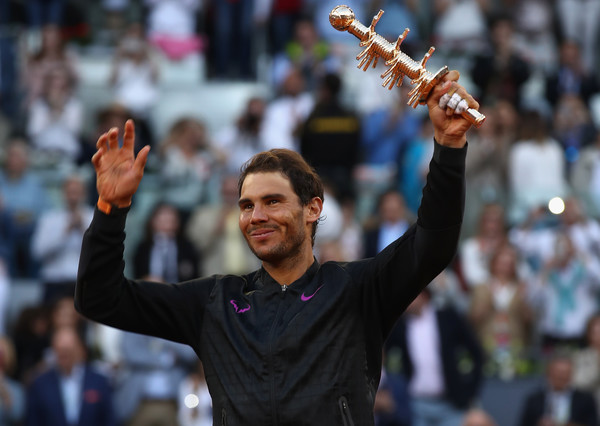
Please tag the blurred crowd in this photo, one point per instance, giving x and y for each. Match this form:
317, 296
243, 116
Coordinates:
521, 298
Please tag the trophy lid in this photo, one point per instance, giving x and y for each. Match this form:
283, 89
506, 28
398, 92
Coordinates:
341, 17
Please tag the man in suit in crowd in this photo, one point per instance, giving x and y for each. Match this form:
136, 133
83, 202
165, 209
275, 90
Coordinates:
69, 393
393, 219
441, 359
558, 402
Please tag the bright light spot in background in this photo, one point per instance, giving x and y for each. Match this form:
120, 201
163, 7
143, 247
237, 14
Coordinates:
191, 401
556, 205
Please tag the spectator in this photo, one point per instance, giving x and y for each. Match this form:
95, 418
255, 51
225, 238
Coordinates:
285, 114
114, 14
215, 232
565, 292
165, 254
281, 18
44, 12
386, 133
12, 395
194, 401
433, 343
501, 70
501, 314
31, 338
306, 52
152, 371
244, 138
56, 241
573, 127
134, 74
447, 289
413, 169
9, 54
70, 391
586, 361
172, 26
476, 251
53, 54
55, 120
570, 76
465, 39
392, 220
24, 198
583, 230
585, 177
558, 402
190, 167
487, 163
233, 36
330, 138
536, 238
579, 21
351, 238
535, 32
531, 158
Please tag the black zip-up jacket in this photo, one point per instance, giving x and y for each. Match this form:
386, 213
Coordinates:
306, 354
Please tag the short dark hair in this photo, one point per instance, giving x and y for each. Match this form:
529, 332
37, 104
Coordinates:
305, 181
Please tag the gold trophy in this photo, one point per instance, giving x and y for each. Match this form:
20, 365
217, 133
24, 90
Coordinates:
342, 18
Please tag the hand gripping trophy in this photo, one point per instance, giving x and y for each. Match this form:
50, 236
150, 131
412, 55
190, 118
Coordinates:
342, 18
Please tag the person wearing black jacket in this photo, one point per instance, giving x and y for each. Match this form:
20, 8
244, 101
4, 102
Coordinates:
295, 342
445, 384
558, 402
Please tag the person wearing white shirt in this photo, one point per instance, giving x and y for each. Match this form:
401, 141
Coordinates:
56, 242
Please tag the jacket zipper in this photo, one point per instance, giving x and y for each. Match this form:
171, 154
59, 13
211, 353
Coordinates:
223, 417
345, 410
271, 356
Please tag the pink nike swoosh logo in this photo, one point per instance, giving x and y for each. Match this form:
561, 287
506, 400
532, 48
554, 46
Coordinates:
305, 298
237, 309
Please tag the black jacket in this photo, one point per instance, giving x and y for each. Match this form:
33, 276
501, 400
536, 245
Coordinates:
582, 410
308, 354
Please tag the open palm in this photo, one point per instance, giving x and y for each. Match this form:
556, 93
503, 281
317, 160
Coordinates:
118, 171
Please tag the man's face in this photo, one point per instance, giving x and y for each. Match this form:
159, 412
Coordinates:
559, 375
68, 349
272, 217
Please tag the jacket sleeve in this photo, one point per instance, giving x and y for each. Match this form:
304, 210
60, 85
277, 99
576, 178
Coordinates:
394, 277
105, 295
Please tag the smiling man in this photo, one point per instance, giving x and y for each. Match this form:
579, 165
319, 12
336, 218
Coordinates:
295, 342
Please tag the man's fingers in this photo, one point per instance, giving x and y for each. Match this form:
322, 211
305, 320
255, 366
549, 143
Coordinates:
96, 157
102, 141
113, 138
142, 157
129, 135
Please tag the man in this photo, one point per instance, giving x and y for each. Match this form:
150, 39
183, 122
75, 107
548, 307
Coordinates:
393, 221
71, 392
56, 240
330, 137
294, 342
559, 403
441, 359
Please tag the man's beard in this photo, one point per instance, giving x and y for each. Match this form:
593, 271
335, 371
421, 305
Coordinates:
286, 249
